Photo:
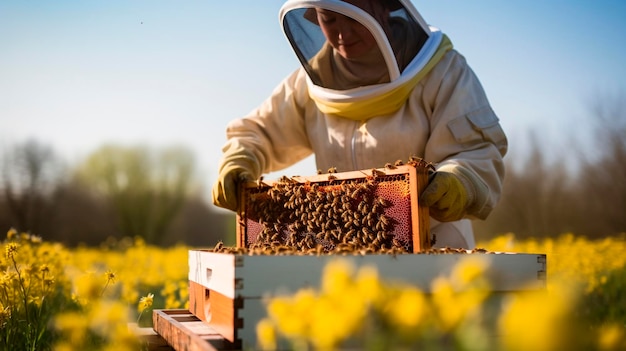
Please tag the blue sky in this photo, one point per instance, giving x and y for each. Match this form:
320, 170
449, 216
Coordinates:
77, 74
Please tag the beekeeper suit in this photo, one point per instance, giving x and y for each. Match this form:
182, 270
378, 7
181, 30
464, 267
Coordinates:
377, 84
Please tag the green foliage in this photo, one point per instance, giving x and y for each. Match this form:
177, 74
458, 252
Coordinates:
33, 289
605, 304
146, 188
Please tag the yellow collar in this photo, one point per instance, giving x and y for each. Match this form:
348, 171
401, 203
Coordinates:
385, 103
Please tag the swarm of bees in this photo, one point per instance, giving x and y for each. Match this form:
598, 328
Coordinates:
332, 217
320, 218
283, 250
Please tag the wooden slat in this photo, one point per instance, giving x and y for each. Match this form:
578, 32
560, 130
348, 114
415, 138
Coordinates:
151, 340
219, 311
185, 332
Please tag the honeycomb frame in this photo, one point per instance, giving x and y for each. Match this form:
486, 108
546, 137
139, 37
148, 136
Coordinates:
397, 187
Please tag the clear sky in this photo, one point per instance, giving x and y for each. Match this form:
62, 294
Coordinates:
77, 74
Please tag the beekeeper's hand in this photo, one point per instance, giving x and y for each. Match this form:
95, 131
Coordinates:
237, 166
445, 196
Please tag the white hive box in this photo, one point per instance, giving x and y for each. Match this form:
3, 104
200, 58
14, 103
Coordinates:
228, 290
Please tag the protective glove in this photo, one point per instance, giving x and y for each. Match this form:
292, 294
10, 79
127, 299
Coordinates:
237, 166
446, 197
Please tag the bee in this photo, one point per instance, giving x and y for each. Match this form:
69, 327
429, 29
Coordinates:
331, 178
346, 206
383, 202
290, 204
328, 195
390, 166
362, 207
398, 163
319, 171
332, 170
357, 192
363, 240
319, 208
366, 231
335, 235
376, 173
384, 219
376, 243
218, 246
414, 158
396, 243
259, 182
328, 236
273, 193
274, 238
381, 235
348, 224
277, 228
351, 233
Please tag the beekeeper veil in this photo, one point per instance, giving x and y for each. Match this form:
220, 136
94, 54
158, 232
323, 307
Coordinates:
362, 57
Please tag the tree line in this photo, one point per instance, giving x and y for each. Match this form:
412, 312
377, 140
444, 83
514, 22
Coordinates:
581, 191
137, 191
116, 192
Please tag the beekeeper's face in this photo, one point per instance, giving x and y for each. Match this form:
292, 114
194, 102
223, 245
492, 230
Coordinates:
350, 38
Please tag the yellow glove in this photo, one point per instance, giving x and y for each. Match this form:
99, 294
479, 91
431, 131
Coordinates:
446, 197
238, 165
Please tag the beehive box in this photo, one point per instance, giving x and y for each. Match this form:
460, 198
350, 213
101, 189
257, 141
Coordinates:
378, 207
228, 291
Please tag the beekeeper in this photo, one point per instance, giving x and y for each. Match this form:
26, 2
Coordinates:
377, 84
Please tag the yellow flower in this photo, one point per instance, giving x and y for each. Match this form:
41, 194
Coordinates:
266, 334
145, 302
5, 315
611, 337
406, 309
73, 325
537, 320
334, 319
291, 313
44, 268
35, 239
337, 277
12, 234
87, 288
469, 271
11, 250
368, 284
110, 276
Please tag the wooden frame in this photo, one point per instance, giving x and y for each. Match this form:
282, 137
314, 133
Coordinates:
417, 175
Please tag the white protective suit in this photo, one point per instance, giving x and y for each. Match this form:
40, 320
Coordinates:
444, 117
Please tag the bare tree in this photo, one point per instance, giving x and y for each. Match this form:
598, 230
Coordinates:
580, 192
534, 198
603, 174
31, 174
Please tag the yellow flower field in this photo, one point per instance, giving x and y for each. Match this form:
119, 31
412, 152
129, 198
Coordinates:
54, 297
